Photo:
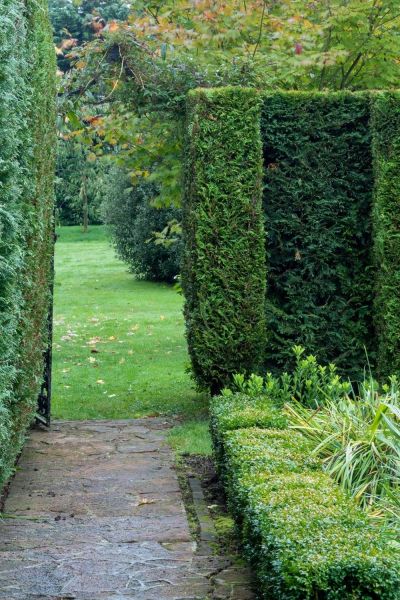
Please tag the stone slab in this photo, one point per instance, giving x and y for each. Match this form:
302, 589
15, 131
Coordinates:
95, 512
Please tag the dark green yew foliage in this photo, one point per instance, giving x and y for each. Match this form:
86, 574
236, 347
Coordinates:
224, 273
317, 202
386, 223
27, 123
332, 217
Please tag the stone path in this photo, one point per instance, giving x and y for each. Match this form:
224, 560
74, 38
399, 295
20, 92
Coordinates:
95, 513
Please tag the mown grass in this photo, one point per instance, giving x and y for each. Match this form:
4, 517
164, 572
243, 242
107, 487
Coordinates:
119, 347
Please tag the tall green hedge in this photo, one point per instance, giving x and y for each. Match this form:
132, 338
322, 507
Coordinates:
332, 214
224, 272
386, 222
27, 124
317, 202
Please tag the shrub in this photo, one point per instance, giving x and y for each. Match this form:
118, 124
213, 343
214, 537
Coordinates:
304, 536
386, 220
27, 122
310, 384
317, 202
133, 223
224, 260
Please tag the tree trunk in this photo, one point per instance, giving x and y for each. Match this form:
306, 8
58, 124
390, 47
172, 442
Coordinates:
85, 206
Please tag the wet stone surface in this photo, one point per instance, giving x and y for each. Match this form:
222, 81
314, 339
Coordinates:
95, 513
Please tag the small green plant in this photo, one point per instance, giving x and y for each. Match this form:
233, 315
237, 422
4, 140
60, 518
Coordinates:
253, 386
358, 439
310, 384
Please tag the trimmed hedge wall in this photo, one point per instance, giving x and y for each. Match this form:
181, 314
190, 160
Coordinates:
239, 411
332, 215
304, 537
386, 222
317, 202
27, 123
224, 274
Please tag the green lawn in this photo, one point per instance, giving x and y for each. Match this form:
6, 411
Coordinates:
119, 347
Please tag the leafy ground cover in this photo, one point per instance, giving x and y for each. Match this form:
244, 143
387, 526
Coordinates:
119, 346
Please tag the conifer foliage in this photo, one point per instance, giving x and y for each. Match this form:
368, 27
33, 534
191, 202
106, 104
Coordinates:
386, 223
27, 123
331, 208
317, 203
224, 258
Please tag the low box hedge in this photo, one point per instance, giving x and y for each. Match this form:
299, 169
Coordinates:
304, 536
307, 540
237, 411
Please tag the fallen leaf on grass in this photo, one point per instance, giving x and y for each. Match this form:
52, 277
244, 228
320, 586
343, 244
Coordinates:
70, 335
100, 382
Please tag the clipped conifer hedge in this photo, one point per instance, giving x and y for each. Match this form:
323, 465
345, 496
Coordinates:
224, 274
27, 124
332, 214
386, 223
317, 201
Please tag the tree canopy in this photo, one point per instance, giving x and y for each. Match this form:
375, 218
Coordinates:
130, 81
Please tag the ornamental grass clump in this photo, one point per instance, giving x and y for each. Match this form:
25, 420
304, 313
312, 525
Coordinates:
358, 440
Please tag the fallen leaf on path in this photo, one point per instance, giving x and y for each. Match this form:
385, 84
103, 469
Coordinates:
144, 501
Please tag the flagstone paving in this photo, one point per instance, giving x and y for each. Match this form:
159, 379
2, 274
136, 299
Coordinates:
95, 512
